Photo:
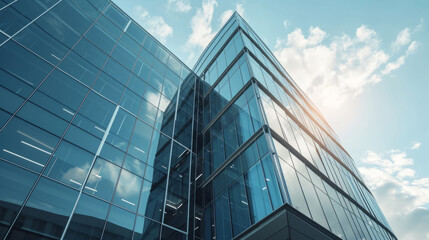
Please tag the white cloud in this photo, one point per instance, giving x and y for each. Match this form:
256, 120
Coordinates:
334, 69
400, 193
179, 5
416, 145
155, 25
202, 32
402, 39
227, 14
285, 23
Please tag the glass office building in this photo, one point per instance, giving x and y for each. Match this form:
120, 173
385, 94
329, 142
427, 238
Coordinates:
105, 134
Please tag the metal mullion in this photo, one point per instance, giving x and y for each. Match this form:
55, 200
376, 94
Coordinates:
169, 164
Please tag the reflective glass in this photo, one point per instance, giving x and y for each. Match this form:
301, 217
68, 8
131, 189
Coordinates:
128, 190
177, 196
47, 211
146, 229
70, 164
79, 68
239, 205
134, 165
102, 180
88, 219
222, 216
26, 145
168, 233
42, 43
313, 201
65, 22
26, 66
43, 119
108, 87
271, 181
120, 224
15, 184
140, 141
294, 189
257, 192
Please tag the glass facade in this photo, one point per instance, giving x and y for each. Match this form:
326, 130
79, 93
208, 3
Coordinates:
105, 134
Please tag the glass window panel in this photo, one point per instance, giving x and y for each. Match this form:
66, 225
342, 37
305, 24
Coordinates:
97, 110
244, 125
257, 192
108, 87
233, 170
117, 17
140, 141
146, 56
238, 203
313, 201
101, 37
152, 197
131, 101
117, 71
69, 165
82, 139
128, 190
177, 196
43, 119
162, 55
88, 220
148, 112
136, 85
102, 180
330, 214
120, 132
27, 67
168, 233
120, 224
156, 80
249, 157
348, 231
50, 205
300, 166
4, 117
15, 85
26, 145
134, 165
42, 43
294, 189
122, 55
11, 21
174, 65
15, 184
169, 89
112, 154
223, 218
90, 7
92, 54
131, 46
271, 181
69, 27
146, 229
79, 68
135, 31
255, 114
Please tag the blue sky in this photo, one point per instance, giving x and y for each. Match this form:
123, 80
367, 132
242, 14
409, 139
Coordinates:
363, 63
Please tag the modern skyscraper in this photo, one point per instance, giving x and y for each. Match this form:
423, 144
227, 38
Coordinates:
104, 133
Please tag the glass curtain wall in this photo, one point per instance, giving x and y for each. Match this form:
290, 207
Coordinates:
90, 147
